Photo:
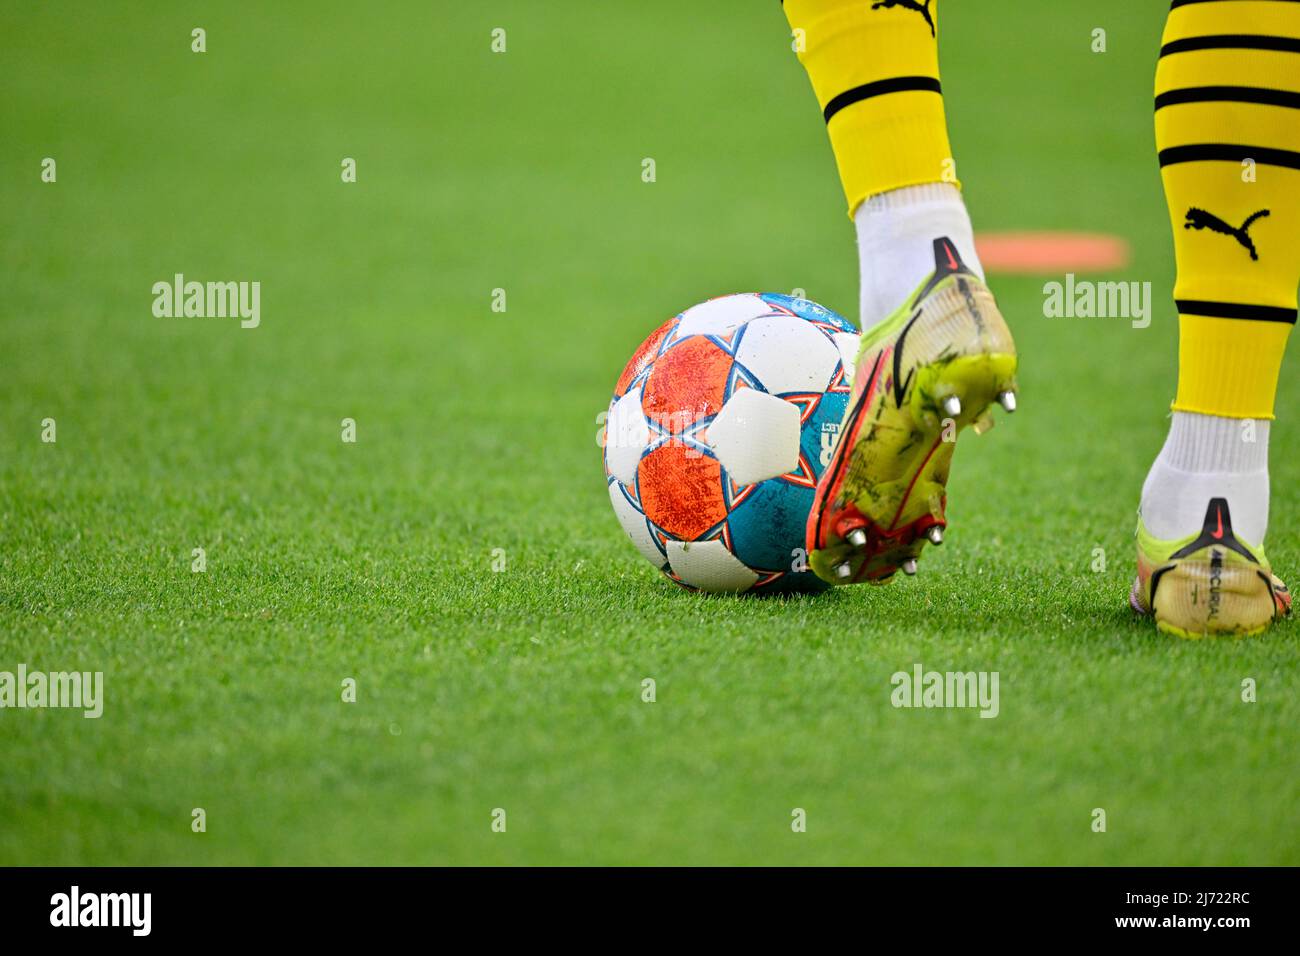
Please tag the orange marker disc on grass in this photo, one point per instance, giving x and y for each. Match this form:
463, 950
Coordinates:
1050, 253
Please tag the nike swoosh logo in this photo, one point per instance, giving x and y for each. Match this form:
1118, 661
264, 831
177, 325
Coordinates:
1219, 533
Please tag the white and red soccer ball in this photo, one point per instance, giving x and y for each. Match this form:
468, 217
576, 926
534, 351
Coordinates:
718, 430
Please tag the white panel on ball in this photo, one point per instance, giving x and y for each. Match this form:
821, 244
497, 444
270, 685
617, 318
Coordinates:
755, 436
709, 566
626, 437
633, 522
720, 316
848, 344
788, 355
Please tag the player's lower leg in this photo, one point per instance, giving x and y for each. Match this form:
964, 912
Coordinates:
935, 350
1228, 134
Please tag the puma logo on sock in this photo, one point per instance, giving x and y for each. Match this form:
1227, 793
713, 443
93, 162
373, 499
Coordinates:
922, 8
1200, 219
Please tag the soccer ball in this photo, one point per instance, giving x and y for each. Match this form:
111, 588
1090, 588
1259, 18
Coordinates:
718, 430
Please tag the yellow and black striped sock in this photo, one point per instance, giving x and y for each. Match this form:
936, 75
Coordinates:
875, 69
1228, 134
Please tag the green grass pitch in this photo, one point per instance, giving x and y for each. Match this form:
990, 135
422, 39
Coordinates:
521, 689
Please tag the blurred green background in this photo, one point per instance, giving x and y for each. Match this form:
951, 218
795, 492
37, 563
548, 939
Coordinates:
476, 431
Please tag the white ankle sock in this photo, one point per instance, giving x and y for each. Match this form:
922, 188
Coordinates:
1208, 457
896, 233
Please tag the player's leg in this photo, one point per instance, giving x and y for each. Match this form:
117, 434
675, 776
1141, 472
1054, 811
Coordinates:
1228, 135
935, 350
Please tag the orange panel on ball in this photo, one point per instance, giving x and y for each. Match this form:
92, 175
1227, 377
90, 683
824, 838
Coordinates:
643, 356
687, 384
681, 490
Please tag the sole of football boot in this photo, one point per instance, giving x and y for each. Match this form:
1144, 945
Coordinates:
885, 490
